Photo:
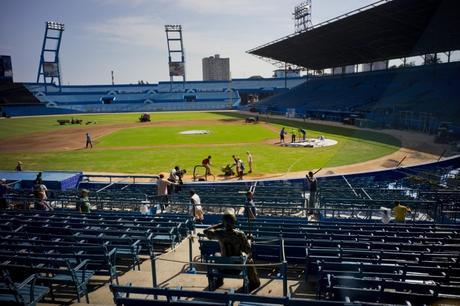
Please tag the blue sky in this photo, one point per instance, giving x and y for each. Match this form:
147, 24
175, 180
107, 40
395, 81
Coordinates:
128, 36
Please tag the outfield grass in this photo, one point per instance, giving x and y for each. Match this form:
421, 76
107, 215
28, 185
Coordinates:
170, 135
353, 146
20, 126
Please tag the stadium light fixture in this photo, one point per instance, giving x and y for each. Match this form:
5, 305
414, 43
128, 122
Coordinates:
302, 16
53, 25
173, 27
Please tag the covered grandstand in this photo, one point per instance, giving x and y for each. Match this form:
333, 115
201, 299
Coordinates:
398, 97
381, 31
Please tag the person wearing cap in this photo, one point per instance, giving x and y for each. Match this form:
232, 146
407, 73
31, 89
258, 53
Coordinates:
19, 166
83, 204
233, 242
3, 190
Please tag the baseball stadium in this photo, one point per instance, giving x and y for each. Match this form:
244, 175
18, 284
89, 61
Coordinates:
334, 182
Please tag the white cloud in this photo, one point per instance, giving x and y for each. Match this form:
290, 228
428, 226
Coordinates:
231, 7
130, 30
123, 2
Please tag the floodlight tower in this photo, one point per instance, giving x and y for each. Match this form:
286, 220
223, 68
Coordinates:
302, 16
49, 69
176, 54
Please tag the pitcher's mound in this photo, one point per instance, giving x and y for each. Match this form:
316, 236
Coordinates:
194, 132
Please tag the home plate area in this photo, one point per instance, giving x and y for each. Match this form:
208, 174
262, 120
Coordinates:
312, 143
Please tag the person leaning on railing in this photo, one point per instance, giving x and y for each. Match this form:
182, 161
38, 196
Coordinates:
400, 212
83, 204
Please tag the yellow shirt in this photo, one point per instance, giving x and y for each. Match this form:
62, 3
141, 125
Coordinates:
400, 213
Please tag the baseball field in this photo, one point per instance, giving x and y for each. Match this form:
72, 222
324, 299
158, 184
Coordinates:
124, 145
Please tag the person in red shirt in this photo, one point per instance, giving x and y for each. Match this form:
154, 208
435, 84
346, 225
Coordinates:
207, 164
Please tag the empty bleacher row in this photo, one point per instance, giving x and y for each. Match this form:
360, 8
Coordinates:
362, 262
418, 89
346, 255
65, 248
431, 251
179, 96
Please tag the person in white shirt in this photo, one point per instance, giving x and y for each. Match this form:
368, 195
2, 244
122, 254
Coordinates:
173, 177
195, 207
249, 161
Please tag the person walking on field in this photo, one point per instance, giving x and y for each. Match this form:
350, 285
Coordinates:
282, 132
292, 136
207, 164
240, 168
304, 134
249, 161
89, 141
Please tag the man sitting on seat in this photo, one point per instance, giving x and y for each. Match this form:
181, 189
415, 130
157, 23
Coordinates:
233, 242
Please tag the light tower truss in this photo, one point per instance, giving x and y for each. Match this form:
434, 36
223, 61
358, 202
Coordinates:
176, 54
49, 70
302, 16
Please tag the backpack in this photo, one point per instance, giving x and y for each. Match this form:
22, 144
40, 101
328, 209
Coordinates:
242, 166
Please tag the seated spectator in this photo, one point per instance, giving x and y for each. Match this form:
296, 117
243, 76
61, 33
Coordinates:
233, 242
83, 204
400, 212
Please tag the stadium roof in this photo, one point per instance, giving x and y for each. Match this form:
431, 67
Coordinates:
380, 31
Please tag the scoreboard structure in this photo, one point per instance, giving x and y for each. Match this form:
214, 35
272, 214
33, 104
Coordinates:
6, 69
